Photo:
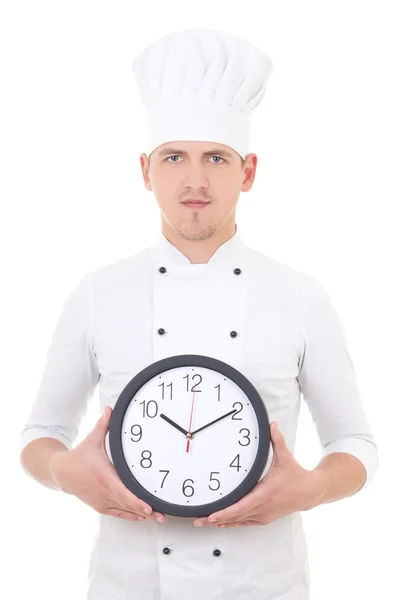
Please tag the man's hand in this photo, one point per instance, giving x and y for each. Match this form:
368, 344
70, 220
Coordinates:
87, 472
287, 487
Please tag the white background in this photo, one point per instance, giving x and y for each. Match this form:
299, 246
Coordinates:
325, 201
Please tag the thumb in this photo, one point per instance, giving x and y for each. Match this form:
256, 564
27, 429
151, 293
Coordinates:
281, 451
100, 429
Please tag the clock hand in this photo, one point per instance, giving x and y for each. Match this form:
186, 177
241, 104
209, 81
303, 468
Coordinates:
171, 422
216, 420
189, 434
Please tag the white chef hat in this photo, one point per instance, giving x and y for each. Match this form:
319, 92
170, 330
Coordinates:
201, 84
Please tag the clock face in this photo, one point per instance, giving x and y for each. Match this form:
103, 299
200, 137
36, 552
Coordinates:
189, 435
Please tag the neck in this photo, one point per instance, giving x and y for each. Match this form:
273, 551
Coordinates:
199, 251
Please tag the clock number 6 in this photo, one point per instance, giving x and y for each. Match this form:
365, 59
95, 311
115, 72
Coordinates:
185, 487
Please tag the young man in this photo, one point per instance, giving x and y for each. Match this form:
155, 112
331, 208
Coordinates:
201, 290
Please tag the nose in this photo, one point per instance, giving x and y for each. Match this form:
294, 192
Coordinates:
195, 178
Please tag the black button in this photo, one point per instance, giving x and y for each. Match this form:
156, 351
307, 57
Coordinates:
237, 271
161, 331
233, 333
162, 270
166, 550
217, 552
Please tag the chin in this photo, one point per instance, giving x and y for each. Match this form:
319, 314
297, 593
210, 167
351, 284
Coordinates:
202, 232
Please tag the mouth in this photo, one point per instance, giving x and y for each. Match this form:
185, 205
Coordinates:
195, 203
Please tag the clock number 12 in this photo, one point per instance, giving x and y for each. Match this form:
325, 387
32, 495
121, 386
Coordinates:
194, 387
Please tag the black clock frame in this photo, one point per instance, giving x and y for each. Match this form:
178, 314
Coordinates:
121, 406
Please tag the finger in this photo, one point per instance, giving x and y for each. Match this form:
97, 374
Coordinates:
138, 510
123, 497
99, 431
123, 514
240, 524
131, 501
249, 516
236, 511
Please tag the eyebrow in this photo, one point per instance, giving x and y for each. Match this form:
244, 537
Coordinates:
213, 152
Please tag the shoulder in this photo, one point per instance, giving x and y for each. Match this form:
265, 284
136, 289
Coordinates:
280, 276
127, 271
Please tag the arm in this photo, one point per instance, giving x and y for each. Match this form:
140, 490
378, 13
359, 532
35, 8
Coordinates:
340, 475
328, 383
69, 379
36, 459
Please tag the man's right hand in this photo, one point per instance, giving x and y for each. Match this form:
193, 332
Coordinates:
87, 473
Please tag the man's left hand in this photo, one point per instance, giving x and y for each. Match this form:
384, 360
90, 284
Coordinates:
287, 487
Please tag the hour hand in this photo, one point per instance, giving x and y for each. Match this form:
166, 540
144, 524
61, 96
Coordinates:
171, 422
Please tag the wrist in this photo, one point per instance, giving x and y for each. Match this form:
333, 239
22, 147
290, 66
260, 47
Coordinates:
55, 469
318, 486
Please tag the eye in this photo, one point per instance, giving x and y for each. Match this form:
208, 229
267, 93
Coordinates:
214, 156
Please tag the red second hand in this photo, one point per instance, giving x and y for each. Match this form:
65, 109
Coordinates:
190, 424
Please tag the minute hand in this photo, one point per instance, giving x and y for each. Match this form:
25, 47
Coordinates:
216, 420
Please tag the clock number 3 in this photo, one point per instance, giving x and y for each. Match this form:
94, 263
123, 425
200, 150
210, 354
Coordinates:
247, 437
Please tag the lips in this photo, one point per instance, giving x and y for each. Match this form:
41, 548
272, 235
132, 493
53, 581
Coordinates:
194, 201
196, 205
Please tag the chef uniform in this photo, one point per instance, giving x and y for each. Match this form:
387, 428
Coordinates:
270, 321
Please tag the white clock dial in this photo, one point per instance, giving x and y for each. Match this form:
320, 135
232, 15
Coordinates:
197, 471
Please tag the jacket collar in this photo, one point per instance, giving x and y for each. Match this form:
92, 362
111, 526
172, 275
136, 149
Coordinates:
165, 251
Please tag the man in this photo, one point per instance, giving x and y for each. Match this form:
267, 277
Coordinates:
200, 289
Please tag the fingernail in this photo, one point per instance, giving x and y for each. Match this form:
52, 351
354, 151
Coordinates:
199, 524
147, 511
160, 519
140, 518
213, 520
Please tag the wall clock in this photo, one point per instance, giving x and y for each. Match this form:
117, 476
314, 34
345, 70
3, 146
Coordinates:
189, 435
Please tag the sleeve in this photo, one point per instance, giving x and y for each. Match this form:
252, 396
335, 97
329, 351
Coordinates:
328, 383
70, 375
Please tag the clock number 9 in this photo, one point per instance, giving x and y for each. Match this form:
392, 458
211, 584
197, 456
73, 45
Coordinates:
136, 434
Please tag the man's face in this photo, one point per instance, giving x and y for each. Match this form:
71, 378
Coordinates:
179, 170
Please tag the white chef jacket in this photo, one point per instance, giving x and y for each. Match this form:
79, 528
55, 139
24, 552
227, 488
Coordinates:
270, 321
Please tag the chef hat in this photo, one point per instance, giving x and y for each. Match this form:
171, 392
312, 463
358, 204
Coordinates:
201, 84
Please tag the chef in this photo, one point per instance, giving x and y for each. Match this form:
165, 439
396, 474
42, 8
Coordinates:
200, 289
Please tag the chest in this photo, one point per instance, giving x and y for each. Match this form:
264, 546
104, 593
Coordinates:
244, 319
